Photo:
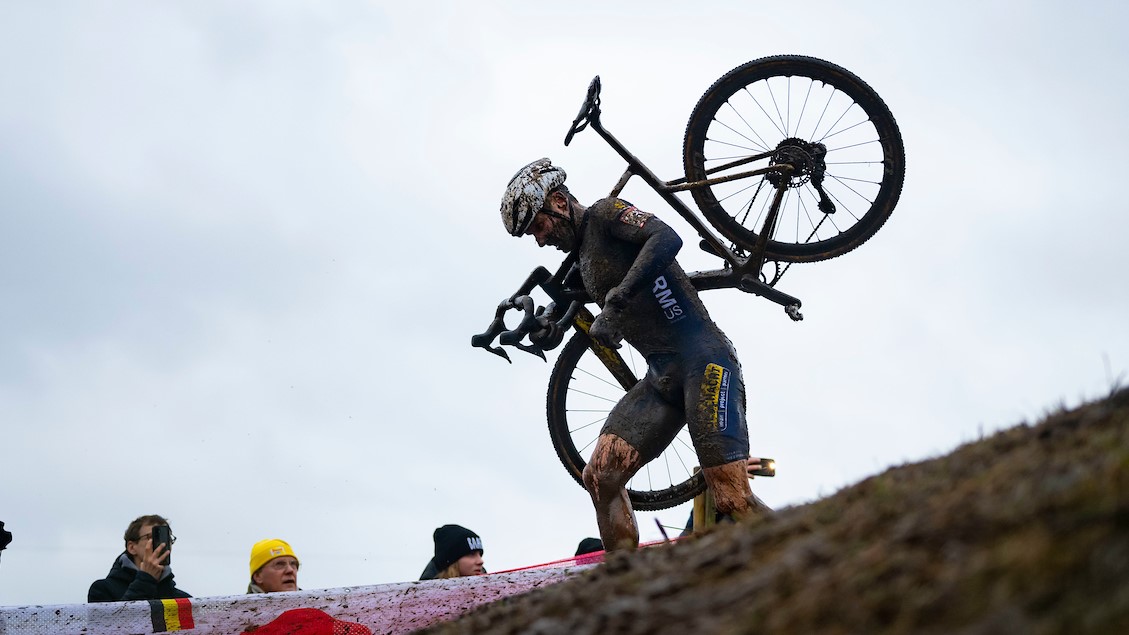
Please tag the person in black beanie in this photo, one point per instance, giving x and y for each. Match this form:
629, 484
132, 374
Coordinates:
589, 545
458, 553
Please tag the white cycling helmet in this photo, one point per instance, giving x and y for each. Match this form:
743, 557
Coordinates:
525, 195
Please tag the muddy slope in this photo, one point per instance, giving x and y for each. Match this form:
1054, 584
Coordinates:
1026, 531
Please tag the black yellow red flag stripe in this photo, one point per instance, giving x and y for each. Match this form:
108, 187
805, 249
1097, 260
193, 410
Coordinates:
171, 615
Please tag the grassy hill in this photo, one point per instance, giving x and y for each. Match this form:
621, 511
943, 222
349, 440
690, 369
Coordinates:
1026, 531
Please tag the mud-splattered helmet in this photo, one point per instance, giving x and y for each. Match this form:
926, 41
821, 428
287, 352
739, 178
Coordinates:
525, 195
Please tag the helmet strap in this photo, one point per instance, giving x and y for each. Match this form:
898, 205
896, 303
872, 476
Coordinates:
570, 217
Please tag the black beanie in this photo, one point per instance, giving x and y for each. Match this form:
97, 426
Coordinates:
589, 545
453, 542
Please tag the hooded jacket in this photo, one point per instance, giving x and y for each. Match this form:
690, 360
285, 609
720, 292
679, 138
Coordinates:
126, 582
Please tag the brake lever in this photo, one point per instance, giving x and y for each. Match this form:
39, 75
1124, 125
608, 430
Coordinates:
499, 351
536, 324
527, 325
498, 325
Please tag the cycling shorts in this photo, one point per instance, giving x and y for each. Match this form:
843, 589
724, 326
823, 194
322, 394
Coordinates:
705, 391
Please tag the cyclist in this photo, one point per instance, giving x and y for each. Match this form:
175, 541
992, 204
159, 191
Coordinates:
627, 263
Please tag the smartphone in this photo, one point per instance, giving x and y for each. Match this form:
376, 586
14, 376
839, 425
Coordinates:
767, 468
162, 535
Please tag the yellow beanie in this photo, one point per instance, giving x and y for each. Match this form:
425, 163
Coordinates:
266, 550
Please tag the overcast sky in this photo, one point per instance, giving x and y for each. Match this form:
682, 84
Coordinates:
244, 245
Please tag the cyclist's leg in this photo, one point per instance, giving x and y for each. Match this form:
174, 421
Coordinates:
637, 430
613, 462
729, 484
715, 397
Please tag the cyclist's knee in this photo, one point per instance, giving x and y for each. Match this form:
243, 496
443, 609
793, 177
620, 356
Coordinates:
613, 462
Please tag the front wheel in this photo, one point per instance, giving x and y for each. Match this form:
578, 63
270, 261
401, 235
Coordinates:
583, 389
831, 127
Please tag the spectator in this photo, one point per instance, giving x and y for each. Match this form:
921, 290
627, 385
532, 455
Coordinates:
274, 567
139, 573
589, 545
458, 553
589, 551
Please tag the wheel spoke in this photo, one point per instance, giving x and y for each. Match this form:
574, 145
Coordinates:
834, 128
588, 396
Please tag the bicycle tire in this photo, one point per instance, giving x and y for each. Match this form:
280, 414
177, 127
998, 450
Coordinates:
740, 115
582, 384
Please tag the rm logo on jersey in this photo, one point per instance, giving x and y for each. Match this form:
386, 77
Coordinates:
667, 301
714, 401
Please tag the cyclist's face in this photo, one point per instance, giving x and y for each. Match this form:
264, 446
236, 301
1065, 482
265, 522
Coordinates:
551, 230
540, 228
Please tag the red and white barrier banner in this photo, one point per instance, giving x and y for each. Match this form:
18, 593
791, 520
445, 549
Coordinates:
386, 608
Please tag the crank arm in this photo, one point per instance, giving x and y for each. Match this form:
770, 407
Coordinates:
752, 284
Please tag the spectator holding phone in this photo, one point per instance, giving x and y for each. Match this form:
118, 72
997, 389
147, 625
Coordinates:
274, 567
142, 571
458, 553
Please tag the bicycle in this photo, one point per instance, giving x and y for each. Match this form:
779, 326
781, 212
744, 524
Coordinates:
834, 172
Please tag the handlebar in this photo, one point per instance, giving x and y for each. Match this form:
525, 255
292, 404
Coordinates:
545, 333
589, 110
541, 325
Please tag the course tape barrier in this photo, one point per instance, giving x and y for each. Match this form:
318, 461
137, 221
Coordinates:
385, 608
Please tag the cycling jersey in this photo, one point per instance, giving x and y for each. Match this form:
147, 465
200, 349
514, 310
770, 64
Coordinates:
693, 376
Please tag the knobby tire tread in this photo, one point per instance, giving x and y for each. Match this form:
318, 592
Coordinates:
828, 73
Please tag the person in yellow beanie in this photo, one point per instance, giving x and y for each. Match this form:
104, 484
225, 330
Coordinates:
274, 567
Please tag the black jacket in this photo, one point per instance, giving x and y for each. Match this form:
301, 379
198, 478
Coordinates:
126, 582
430, 571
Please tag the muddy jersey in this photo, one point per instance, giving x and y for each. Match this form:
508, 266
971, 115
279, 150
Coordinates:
691, 365
665, 315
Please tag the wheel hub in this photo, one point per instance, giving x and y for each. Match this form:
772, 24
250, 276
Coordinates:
805, 159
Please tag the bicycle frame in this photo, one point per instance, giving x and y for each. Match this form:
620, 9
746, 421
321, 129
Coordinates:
741, 272
822, 140
666, 189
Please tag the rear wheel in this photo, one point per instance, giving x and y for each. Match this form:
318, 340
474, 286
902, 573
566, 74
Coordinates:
582, 391
823, 120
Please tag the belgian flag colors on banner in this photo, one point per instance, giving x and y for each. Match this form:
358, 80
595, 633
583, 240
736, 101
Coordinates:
171, 615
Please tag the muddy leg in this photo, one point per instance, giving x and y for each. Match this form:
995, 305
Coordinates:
613, 462
732, 495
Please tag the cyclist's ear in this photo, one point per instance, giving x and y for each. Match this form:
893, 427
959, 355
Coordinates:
557, 201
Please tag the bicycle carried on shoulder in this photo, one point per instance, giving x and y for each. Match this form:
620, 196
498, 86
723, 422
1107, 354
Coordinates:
792, 159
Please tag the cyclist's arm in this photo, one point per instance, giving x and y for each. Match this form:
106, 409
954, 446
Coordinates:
659, 244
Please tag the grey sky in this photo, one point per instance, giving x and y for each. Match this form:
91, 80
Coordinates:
243, 247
